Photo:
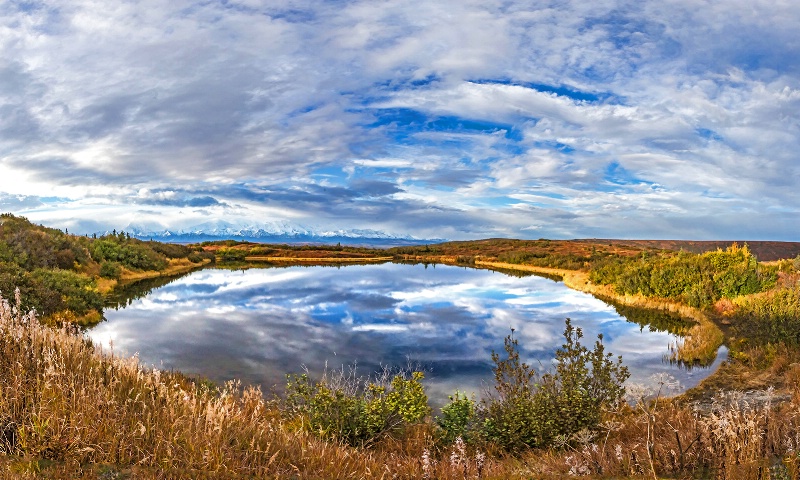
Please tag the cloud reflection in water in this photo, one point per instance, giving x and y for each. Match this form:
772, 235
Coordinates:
258, 324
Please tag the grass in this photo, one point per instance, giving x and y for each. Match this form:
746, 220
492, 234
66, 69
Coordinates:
67, 408
176, 266
70, 410
64, 400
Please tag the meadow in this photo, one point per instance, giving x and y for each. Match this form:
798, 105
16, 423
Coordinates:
70, 410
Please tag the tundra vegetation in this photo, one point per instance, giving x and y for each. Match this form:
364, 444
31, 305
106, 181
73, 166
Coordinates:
68, 409
63, 277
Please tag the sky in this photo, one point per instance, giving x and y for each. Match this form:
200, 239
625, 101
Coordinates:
456, 119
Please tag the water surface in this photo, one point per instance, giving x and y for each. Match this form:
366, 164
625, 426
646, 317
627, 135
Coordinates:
259, 324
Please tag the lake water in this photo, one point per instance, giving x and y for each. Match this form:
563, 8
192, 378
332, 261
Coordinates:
258, 324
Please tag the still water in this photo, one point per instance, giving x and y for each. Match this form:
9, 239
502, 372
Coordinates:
258, 324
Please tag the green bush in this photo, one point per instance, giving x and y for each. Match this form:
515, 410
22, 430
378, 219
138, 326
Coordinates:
530, 410
465, 259
110, 270
231, 254
169, 250
457, 419
355, 411
57, 290
33, 246
132, 253
773, 317
698, 280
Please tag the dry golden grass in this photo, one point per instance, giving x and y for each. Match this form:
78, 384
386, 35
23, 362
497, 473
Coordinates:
730, 437
176, 266
68, 410
65, 401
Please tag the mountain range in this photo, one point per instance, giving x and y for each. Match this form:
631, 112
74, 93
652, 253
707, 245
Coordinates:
271, 232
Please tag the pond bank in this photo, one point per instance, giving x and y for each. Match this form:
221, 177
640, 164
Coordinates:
259, 258
700, 343
176, 267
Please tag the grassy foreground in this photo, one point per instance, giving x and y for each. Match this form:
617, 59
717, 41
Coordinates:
68, 410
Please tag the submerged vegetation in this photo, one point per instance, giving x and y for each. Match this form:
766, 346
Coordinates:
70, 410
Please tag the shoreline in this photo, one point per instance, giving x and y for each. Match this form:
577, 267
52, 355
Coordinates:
176, 267
700, 343
259, 258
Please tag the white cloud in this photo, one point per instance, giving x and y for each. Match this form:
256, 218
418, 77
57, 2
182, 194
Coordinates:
100, 100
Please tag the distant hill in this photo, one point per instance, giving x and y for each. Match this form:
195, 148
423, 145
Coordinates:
765, 251
554, 252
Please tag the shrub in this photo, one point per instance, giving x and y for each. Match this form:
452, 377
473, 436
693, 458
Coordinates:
465, 259
513, 417
133, 253
110, 270
195, 257
698, 280
584, 382
231, 254
458, 418
57, 290
355, 410
529, 410
33, 246
772, 317
169, 250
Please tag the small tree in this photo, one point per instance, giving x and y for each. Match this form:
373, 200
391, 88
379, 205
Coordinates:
584, 383
529, 410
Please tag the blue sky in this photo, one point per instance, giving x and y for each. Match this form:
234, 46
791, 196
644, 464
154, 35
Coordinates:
444, 119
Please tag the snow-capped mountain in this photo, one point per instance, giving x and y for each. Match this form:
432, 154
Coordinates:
269, 232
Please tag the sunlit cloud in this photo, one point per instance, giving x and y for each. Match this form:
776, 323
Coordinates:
454, 119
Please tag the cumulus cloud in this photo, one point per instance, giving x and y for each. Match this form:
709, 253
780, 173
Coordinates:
455, 119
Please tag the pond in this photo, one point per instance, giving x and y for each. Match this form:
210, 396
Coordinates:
258, 324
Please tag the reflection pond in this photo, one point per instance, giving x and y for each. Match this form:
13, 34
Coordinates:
258, 324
